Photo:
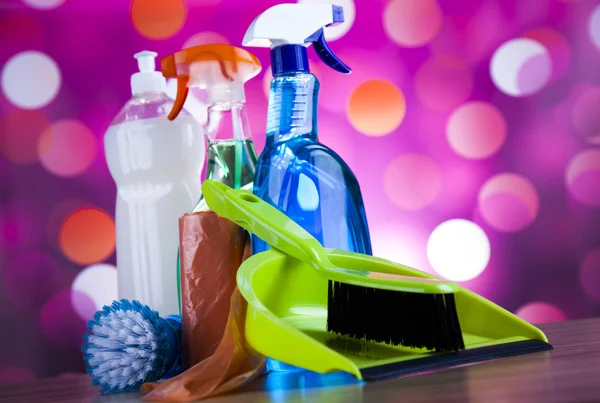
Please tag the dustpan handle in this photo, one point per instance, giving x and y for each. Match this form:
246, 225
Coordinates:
265, 221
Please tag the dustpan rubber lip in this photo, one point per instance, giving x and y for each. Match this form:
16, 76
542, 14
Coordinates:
447, 360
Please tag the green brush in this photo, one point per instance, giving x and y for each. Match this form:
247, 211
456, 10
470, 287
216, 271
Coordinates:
375, 305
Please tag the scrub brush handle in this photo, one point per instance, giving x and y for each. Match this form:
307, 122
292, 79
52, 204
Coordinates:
265, 221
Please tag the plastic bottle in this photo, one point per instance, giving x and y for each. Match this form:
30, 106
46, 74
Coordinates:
156, 165
295, 172
222, 70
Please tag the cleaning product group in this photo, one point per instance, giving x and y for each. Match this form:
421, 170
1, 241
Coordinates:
267, 264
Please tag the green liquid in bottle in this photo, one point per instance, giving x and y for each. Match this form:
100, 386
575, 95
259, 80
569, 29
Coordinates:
231, 162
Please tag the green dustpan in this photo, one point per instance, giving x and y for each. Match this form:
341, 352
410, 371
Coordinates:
287, 316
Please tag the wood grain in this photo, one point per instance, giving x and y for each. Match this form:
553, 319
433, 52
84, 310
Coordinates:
569, 373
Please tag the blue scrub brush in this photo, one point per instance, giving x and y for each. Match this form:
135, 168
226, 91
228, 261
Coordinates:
130, 344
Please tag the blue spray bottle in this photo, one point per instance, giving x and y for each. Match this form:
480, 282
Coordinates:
295, 172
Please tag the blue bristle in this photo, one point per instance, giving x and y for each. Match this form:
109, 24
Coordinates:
129, 344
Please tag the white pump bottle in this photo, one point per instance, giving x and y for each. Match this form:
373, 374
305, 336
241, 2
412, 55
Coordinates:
156, 164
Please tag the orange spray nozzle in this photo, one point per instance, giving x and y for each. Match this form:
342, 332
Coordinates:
169, 70
220, 69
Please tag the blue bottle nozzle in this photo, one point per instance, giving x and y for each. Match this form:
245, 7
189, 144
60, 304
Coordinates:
288, 29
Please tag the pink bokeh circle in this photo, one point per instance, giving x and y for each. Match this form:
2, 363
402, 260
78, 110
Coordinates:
534, 74
15, 374
508, 202
557, 46
412, 23
67, 148
540, 312
585, 115
59, 322
476, 130
30, 279
412, 181
204, 38
443, 82
583, 177
589, 275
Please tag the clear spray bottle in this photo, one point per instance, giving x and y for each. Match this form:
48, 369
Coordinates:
296, 173
221, 70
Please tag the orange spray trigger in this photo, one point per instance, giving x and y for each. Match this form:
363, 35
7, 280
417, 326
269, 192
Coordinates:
182, 93
169, 70
219, 69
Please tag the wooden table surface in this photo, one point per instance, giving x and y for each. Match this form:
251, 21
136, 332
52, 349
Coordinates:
569, 373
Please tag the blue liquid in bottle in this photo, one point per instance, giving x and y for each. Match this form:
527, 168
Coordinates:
305, 179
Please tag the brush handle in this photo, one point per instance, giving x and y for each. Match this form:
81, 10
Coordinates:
265, 221
281, 232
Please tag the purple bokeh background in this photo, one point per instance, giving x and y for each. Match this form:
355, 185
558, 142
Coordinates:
544, 245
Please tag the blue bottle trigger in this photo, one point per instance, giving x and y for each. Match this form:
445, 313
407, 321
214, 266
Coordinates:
325, 53
288, 28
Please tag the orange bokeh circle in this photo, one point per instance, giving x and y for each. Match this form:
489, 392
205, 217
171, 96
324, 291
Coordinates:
158, 19
87, 236
376, 107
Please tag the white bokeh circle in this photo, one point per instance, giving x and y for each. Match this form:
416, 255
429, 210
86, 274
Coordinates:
594, 27
31, 79
458, 250
44, 4
99, 283
509, 202
521, 67
412, 23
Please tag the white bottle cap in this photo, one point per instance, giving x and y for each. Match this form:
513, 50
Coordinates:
291, 24
225, 92
208, 75
147, 80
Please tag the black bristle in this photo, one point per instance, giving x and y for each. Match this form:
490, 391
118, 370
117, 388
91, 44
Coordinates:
413, 320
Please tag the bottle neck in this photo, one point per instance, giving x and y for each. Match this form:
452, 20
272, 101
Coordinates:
231, 154
227, 121
293, 99
287, 59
